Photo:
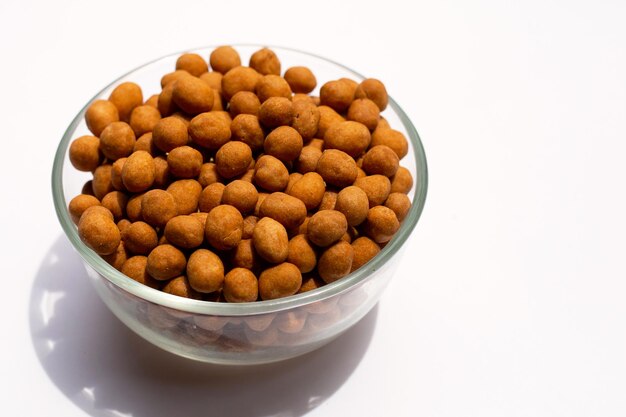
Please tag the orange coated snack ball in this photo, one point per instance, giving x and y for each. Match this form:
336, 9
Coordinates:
229, 182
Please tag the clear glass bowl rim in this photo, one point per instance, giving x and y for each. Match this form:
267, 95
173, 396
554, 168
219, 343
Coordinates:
240, 309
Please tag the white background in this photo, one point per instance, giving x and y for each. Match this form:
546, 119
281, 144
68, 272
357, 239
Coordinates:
511, 296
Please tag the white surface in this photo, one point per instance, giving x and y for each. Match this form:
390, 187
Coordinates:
511, 296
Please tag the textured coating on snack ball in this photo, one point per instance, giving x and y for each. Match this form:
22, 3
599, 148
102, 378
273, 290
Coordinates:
310, 188
194, 64
184, 162
249, 223
301, 253
337, 94
265, 62
279, 281
353, 203
126, 97
210, 130
214, 80
402, 182
186, 193
399, 203
381, 159
244, 102
284, 143
133, 207
208, 174
166, 262
272, 86
144, 143
293, 177
79, 204
326, 227
162, 176
270, 174
117, 140
308, 158
158, 207
246, 128
393, 139
328, 118
99, 115
98, 230
169, 133
329, 200
306, 118
239, 79
193, 95
300, 79
287, 210
184, 231
205, 271
101, 182
143, 119
276, 111
165, 102
377, 187
152, 101
211, 196
224, 227
140, 238
240, 194
337, 168
138, 172
350, 137
245, 256
374, 90
381, 224
85, 153
180, 286
364, 250
116, 174
240, 286
170, 77
135, 268
117, 258
364, 111
233, 159
270, 240
224, 58
115, 202
335, 262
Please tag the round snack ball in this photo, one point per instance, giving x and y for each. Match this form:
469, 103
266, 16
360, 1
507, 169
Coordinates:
306, 118
400, 203
337, 168
162, 176
353, 203
101, 182
99, 115
205, 271
310, 189
143, 119
184, 231
392, 138
158, 207
201, 217
381, 159
381, 224
210, 130
307, 161
193, 95
284, 143
153, 101
287, 210
115, 202
326, 227
85, 153
138, 172
265, 62
329, 200
123, 225
184, 162
117, 140
144, 143
272, 86
126, 97
224, 58
166, 262
244, 102
335, 262
97, 230
244, 256
79, 204
270, 240
208, 174
276, 111
300, 79
337, 94
169, 78
364, 250
169, 133
279, 281
165, 103
211, 197
186, 193
233, 159
270, 174
240, 286
133, 208
364, 111
224, 227
328, 118
240, 194
194, 64
140, 238
117, 258
239, 79
377, 188
402, 182
249, 223
180, 286
246, 128
302, 254
310, 283
293, 177
350, 137
116, 174
374, 90
135, 268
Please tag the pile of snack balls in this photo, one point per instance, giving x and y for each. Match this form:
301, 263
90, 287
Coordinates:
234, 184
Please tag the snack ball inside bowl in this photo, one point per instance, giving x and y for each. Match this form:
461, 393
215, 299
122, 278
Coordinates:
240, 205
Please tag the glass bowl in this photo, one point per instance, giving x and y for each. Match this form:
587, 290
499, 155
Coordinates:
246, 333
